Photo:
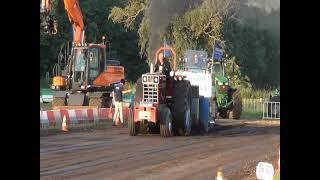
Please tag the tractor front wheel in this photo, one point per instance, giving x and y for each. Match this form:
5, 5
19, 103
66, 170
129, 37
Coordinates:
133, 128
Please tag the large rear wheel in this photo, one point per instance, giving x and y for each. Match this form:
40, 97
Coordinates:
182, 107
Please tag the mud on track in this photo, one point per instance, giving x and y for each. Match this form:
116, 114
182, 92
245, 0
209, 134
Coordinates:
234, 146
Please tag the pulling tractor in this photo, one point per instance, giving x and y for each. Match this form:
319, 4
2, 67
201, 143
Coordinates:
228, 99
170, 105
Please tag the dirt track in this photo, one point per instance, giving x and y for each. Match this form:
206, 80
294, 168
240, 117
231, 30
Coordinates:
234, 146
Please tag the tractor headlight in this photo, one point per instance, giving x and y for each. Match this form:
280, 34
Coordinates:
144, 79
52, 87
83, 87
220, 83
156, 79
171, 73
180, 78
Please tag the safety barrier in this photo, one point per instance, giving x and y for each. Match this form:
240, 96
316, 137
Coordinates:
78, 116
271, 110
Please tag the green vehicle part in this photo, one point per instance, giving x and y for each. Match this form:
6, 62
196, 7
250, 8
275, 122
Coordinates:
228, 99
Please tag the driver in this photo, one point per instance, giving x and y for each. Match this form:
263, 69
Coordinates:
163, 65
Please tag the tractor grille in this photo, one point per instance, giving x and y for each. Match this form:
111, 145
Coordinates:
150, 93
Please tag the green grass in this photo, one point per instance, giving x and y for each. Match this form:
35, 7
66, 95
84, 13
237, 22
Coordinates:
251, 115
276, 176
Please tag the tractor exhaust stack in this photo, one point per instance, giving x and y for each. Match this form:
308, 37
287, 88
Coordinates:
151, 68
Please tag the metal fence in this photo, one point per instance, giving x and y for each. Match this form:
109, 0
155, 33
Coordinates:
271, 110
268, 109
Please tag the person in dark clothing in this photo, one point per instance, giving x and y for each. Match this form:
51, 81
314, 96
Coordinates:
118, 98
163, 65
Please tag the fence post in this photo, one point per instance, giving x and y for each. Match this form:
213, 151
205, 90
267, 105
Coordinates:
279, 110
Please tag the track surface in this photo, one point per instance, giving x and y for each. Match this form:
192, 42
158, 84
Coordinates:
235, 147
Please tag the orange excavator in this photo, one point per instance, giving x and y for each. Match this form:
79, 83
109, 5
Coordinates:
86, 78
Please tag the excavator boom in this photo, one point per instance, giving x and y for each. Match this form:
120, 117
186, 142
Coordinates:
75, 17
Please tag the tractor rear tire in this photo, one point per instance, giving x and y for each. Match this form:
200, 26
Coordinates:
96, 101
58, 101
182, 107
165, 122
133, 128
236, 110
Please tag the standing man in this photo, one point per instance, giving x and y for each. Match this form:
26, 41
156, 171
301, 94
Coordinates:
118, 99
163, 65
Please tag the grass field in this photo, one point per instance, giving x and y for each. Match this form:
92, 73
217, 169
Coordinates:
251, 115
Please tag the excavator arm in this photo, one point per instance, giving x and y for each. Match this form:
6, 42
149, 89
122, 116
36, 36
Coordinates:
75, 17
74, 14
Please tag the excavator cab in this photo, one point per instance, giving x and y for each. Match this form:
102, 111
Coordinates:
88, 63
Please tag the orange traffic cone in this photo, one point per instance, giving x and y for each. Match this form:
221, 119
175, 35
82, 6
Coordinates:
64, 124
219, 175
